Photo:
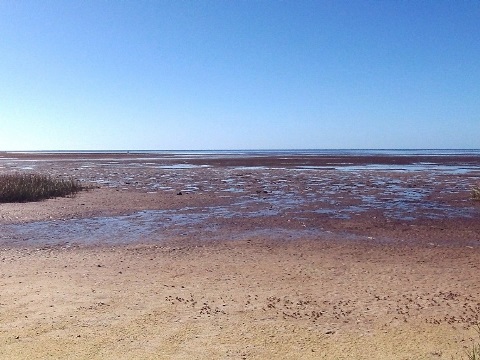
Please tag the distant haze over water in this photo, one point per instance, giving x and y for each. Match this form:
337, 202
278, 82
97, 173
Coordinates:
280, 152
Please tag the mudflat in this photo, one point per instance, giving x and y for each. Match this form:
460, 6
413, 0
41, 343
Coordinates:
260, 257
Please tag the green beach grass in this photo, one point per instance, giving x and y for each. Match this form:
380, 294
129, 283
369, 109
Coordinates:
35, 187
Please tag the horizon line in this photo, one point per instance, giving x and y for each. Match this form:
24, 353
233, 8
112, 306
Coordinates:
239, 149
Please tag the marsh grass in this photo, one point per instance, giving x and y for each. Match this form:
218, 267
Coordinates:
35, 187
476, 193
474, 353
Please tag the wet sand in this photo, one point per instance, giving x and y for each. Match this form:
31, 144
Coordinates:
258, 258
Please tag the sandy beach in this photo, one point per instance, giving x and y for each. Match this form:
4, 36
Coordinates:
261, 257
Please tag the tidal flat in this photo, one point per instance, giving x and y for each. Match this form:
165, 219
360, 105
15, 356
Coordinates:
243, 255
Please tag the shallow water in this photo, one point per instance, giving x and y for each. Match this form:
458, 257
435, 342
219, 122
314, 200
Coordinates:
146, 225
158, 225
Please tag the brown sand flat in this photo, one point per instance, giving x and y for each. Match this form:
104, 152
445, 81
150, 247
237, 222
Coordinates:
293, 264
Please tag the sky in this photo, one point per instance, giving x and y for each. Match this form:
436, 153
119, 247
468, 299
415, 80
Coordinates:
239, 74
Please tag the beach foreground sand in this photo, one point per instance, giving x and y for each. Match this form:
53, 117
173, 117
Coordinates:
248, 299
279, 285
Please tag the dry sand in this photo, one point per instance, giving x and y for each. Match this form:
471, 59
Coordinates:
362, 286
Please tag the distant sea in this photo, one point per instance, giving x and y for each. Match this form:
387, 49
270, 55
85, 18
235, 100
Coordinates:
280, 152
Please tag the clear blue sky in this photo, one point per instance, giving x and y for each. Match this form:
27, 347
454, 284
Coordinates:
239, 74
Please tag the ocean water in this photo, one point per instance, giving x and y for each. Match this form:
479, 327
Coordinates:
277, 152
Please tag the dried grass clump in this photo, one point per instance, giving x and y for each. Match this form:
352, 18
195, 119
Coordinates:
474, 352
35, 187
